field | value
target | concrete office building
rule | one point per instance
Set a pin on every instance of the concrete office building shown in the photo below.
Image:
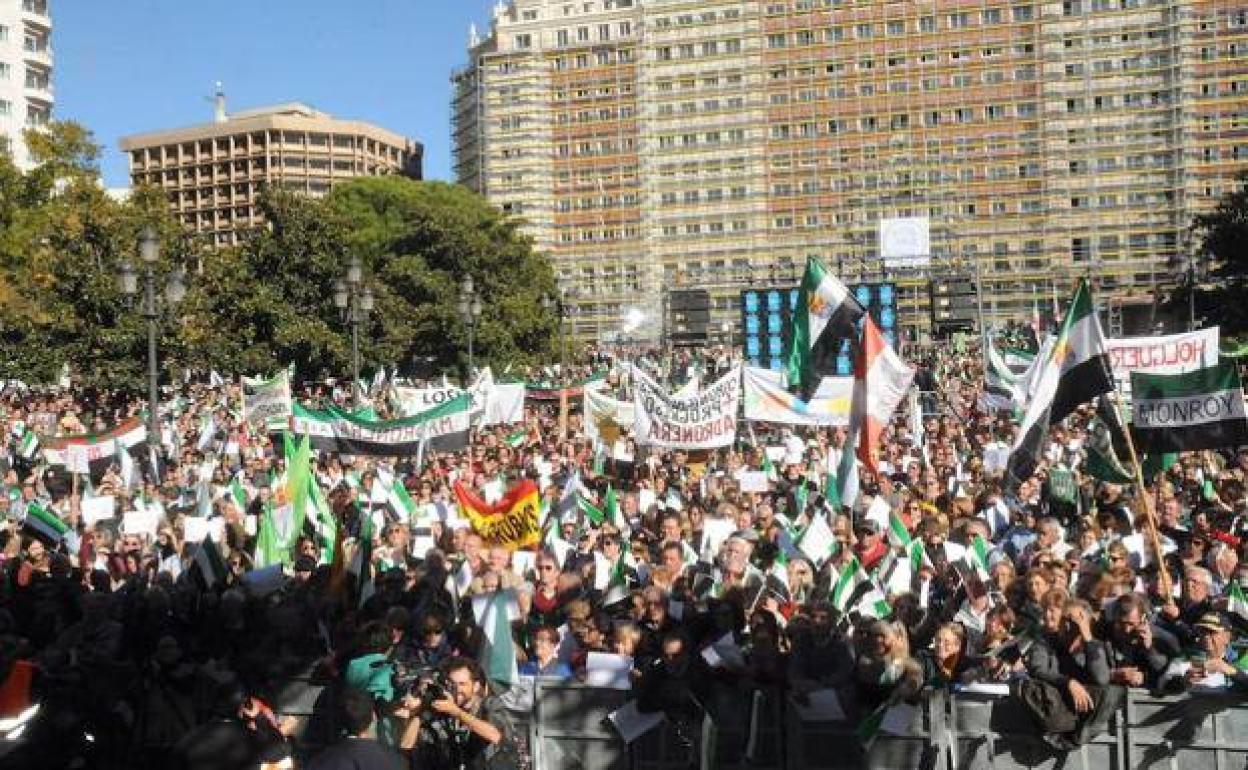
(658, 144)
(213, 173)
(25, 73)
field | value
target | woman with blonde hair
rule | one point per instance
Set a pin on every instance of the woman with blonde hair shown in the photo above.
(884, 671)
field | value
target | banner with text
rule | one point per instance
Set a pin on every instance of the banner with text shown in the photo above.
(704, 420)
(1171, 354)
(443, 428)
(767, 400)
(267, 402)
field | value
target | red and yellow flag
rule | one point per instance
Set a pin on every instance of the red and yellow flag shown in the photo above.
(513, 522)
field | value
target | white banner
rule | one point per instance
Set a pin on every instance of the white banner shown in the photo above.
(605, 413)
(504, 404)
(267, 402)
(414, 401)
(1172, 354)
(705, 420)
(766, 400)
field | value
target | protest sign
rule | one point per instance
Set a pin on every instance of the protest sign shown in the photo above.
(267, 402)
(705, 420)
(1170, 354)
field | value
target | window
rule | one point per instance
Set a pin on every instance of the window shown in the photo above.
(604, 31)
(6, 71)
(927, 24)
(896, 28)
(1023, 13)
(6, 108)
(561, 37)
(864, 31)
(991, 16)
(960, 20)
(524, 41)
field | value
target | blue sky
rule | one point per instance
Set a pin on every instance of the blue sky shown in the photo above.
(127, 66)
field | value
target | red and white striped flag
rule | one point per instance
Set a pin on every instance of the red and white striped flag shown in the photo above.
(882, 380)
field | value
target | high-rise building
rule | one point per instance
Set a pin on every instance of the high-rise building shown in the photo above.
(25, 73)
(213, 173)
(668, 144)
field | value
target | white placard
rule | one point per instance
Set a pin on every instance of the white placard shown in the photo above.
(76, 458)
(195, 529)
(98, 509)
(140, 522)
(754, 481)
(606, 670)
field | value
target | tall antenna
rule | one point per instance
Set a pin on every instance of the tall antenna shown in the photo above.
(218, 101)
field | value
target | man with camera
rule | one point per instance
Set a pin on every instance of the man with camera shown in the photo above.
(459, 726)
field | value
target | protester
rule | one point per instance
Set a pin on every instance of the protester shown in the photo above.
(220, 547)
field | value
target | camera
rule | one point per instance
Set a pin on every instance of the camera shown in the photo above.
(430, 690)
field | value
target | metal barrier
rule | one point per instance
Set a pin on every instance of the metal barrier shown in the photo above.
(567, 728)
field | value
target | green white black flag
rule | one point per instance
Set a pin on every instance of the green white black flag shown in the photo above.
(1075, 371)
(1203, 409)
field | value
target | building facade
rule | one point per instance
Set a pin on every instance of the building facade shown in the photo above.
(214, 173)
(25, 73)
(659, 144)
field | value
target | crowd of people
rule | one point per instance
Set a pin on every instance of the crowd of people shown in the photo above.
(142, 656)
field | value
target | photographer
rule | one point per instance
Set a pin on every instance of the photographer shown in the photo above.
(459, 726)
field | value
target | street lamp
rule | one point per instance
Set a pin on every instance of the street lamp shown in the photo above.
(175, 291)
(354, 300)
(470, 311)
(1195, 273)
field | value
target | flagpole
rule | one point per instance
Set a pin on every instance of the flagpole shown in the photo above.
(1149, 516)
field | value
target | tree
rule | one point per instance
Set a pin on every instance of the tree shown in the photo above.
(270, 301)
(1223, 253)
(61, 242)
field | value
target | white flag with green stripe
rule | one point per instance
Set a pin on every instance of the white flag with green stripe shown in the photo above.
(1199, 410)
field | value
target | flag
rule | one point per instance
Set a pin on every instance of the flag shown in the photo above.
(268, 545)
(127, 466)
(1203, 409)
(826, 314)
(207, 430)
(44, 524)
(324, 523)
(494, 613)
(874, 604)
(512, 522)
(362, 563)
(215, 380)
(569, 499)
(208, 565)
(1236, 601)
(883, 379)
(898, 535)
(1075, 371)
(238, 493)
(817, 541)
(848, 583)
(611, 507)
(592, 512)
(298, 487)
(28, 445)
(769, 468)
(517, 439)
(999, 380)
(401, 501)
(617, 585)
(1102, 460)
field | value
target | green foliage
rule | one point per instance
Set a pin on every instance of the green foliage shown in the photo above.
(61, 241)
(268, 302)
(1223, 238)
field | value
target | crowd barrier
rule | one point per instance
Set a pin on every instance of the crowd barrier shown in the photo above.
(567, 728)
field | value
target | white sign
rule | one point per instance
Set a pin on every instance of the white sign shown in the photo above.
(905, 242)
(267, 401)
(1172, 354)
(704, 420)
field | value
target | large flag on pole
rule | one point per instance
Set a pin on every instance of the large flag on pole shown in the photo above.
(1203, 409)
(826, 314)
(884, 379)
(1075, 371)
